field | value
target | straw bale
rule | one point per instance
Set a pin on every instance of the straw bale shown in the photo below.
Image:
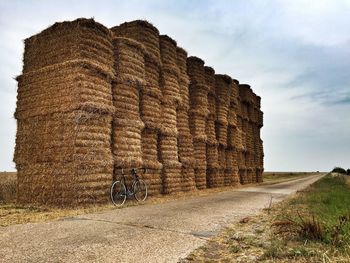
(232, 117)
(84, 86)
(64, 183)
(169, 123)
(201, 178)
(145, 33)
(129, 60)
(212, 156)
(211, 106)
(182, 60)
(152, 73)
(63, 137)
(231, 159)
(243, 176)
(261, 119)
(70, 40)
(153, 180)
(188, 182)
(168, 51)
(172, 178)
(126, 147)
(170, 88)
(150, 109)
(222, 88)
(167, 149)
(221, 133)
(234, 90)
(149, 139)
(185, 149)
(182, 122)
(231, 177)
(126, 101)
(210, 79)
(195, 70)
(214, 178)
(222, 157)
(200, 154)
(210, 132)
(197, 126)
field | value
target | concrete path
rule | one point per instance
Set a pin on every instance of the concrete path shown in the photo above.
(162, 232)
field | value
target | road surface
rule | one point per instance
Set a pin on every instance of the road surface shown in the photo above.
(163, 232)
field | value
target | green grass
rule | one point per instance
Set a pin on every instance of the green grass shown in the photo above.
(325, 208)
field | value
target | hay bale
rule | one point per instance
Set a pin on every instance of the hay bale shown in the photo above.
(195, 70)
(171, 177)
(197, 127)
(126, 100)
(182, 123)
(168, 150)
(150, 108)
(211, 107)
(129, 63)
(188, 182)
(80, 85)
(63, 137)
(185, 150)
(214, 177)
(212, 156)
(149, 140)
(199, 99)
(67, 41)
(210, 132)
(126, 146)
(169, 123)
(183, 79)
(143, 32)
(210, 80)
(64, 183)
(153, 181)
(168, 53)
(200, 152)
(222, 91)
(170, 87)
(243, 177)
(221, 133)
(201, 178)
(231, 177)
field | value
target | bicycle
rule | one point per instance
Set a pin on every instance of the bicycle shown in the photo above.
(119, 190)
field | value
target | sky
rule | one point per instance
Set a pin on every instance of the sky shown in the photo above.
(295, 54)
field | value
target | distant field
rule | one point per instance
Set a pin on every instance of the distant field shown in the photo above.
(270, 177)
(8, 186)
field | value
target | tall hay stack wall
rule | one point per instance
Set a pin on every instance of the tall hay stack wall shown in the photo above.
(150, 98)
(64, 115)
(93, 101)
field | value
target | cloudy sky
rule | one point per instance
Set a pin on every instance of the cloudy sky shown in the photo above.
(294, 53)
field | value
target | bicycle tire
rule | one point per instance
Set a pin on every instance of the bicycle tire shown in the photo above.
(118, 193)
(140, 190)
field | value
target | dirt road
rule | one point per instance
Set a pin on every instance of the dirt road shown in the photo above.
(162, 232)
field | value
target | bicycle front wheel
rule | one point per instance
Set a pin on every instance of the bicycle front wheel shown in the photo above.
(140, 190)
(118, 193)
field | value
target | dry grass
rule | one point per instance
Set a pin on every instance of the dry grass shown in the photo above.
(8, 186)
(256, 240)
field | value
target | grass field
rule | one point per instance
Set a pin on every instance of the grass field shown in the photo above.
(12, 213)
(313, 226)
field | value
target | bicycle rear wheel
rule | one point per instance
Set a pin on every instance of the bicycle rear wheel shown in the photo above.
(140, 190)
(118, 193)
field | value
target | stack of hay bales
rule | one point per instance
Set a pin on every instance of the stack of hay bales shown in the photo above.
(167, 146)
(213, 176)
(258, 143)
(64, 115)
(223, 98)
(185, 142)
(198, 114)
(246, 96)
(150, 97)
(127, 125)
(231, 171)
